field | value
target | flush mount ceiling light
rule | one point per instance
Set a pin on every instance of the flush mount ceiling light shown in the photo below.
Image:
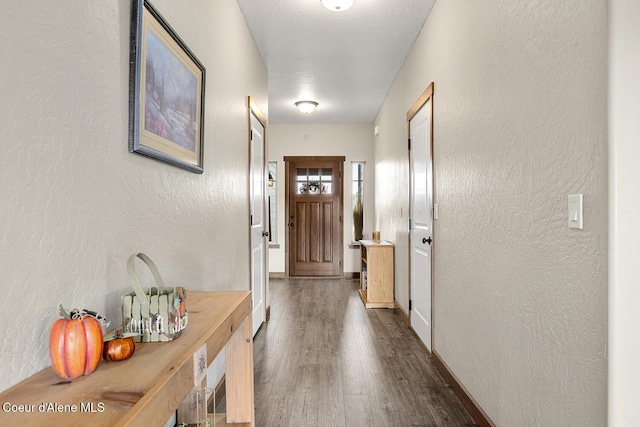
(337, 5)
(306, 106)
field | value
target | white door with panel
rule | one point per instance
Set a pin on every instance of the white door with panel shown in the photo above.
(420, 159)
(258, 226)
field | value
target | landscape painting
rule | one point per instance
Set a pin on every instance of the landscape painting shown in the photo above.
(167, 96)
(171, 96)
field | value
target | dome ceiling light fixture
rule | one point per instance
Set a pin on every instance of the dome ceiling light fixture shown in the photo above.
(306, 106)
(337, 5)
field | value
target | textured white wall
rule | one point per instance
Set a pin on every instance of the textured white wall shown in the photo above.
(75, 203)
(355, 142)
(392, 183)
(624, 221)
(519, 123)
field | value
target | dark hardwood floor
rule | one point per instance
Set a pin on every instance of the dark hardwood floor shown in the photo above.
(324, 360)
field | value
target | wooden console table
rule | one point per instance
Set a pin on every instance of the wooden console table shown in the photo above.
(148, 388)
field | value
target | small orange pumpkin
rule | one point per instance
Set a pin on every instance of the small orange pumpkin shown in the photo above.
(75, 346)
(119, 348)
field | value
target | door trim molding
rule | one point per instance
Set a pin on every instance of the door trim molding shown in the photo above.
(415, 107)
(253, 108)
(314, 158)
(422, 99)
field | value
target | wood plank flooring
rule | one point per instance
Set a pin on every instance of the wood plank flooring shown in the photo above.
(324, 360)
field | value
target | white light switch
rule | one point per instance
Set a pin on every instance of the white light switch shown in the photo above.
(435, 211)
(575, 211)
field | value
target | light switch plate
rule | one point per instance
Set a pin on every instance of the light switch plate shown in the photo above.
(575, 211)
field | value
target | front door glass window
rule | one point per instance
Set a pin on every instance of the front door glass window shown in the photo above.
(314, 181)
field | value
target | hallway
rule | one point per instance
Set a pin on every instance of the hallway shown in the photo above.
(323, 360)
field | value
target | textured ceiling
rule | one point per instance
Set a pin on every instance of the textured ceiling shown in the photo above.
(346, 61)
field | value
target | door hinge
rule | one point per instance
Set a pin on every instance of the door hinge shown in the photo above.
(250, 219)
(409, 224)
(251, 135)
(410, 305)
(409, 143)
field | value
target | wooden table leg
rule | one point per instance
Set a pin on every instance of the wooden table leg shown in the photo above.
(239, 375)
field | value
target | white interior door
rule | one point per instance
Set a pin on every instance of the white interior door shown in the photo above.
(258, 222)
(421, 221)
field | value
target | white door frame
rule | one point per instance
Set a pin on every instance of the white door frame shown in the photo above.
(258, 235)
(424, 100)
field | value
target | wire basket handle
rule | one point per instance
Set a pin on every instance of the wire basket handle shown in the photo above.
(135, 284)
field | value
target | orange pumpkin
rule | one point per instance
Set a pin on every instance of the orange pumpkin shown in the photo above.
(118, 349)
(75, 346)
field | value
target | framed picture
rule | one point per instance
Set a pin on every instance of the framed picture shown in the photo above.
(166, 93)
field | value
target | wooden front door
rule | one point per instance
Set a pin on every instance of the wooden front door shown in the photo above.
(314, 215)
